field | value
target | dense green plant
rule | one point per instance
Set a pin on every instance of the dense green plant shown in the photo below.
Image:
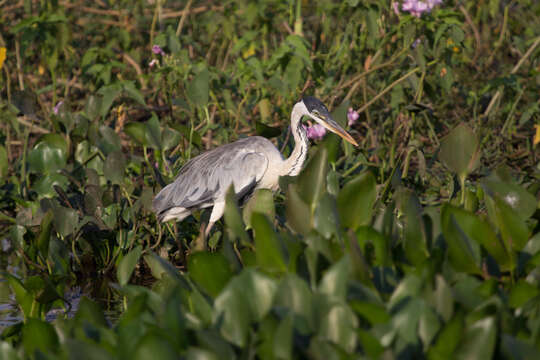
(422, 243)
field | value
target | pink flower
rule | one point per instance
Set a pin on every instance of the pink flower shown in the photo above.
(352, 116)
(316, 132)
(417, 7)
(57, 107)
(156, 49)
(395, 7)
(153, 63)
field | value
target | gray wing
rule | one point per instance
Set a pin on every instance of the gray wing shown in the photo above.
(206, 178)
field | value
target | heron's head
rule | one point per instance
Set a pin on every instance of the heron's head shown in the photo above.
(319, 112)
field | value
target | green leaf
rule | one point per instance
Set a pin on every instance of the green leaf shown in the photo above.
(448, 339)
(460, 150)
(48, 155)
(170, 138)
(39, 335)
(114, 167)
(153, 346)
(312, 181)
(109, 141)
(45, 234)
(294, 294)
(3, 163)
(325, 219)
(198, 88)
(108, 94)
(266, 131)
(133, 92)
(209, 270)
(515, 196)
(367, 235)
(137, 131)
(268, 248)
(512, 227)
(233, 219)
(283, 339)
(521, 293)
(414, 240)
(153, 132)
(127, 265)
(65, 220)
(159, 266)
(355, 201)
(261, 202)
(478, 340)
(338, 325)
(297, 211)
(334, 281)
(460, 233)
(22, 295)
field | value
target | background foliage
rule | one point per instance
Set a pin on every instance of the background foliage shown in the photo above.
(421, 243)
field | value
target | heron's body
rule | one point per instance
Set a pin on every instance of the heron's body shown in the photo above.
(247, 164)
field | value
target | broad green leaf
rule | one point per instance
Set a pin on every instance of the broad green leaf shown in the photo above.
(65, 220)
(169, 138)
(294, 294)
(512, 227)
(45, 234)
(48, 155)
(44, 186)
(297, 211)
(39, 335)
(137, 131)
(312, 181)
(521, 293)
(153, 132)
(7, 352)
(198, 88)
(153, 346)
(334, 280)
(283, 339)
(460, 234)
(414, 239)
(478, 340)
(22, 295)
(266, 131)
(114, 167)
(448, 339)
(338, 325)
(515, 196)
(90, 312)
(233, 219)
(410, 286)
(127, 265)
(109, 141)
(428, 326)
(108, 94)
(79, 349)
(518, 349)
(133, 92)
(355, 201)
(374, 313)
(194, 353)
(460, 151)
(159, 267)
(325, 219)
(210, 270)
(268, 248)
(261, 202)
(366, 236)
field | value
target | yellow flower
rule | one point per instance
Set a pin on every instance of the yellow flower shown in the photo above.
(536, 139)
(249, 52)
(2, 56)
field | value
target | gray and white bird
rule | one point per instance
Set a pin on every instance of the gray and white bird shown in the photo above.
(248, 164)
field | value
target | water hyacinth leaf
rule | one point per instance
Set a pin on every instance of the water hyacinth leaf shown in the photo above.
(460, 151)
(89, 311)
(7, 351)
(160, 267)
(283, 339)
(266, 131)
(443, 298)
(261, 202)
(478, 340)
(44, 186)
(410, 286)
(194, 353)
(448, 339)
(154, 346)
(325, 219)
(137, 131)
(414, 240)
(515, 348)
(294, 294)
(40, 336)
(233, 218)
(127, 265)
(170, 138)
(355, 201)
(22, 295)
(198, 88)
(3, 162)
(133, 92)
(114, 167)
(334, 280)
(153, 132)
(268, 248)
(45, 234)
(372, 312)
(428, 326)
(210, 271)
(65, 220)
(312, 180)
(463, 250)
(48, 155)
(515, 196)
(512, 227)
(521, 293)
(297, 211)
(108, 94)
(109, 141)
(367, 235)
(338, 325)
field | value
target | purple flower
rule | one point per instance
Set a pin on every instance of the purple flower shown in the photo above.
(156, 49)
(316, 132)
(352, 116)
(395, 7)
(415, 43)
(57, 107)
(417, 8)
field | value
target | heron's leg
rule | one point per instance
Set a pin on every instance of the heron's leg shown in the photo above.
(217, 213)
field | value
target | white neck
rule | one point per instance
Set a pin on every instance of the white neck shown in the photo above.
(293, 165)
